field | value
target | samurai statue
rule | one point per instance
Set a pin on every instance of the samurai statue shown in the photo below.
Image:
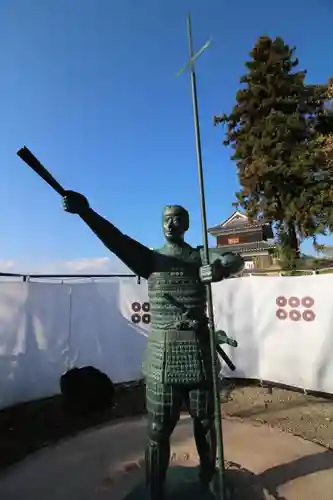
(177, 365)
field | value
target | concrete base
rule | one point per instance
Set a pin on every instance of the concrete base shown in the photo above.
(107, 463)
(182, 483)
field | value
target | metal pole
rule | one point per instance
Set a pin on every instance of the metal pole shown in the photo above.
(218, 420)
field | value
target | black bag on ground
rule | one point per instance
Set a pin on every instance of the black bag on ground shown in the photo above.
(86, 390)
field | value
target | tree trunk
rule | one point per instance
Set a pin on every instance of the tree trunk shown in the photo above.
(293, 240)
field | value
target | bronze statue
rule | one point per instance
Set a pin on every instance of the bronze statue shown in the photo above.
(177, 365)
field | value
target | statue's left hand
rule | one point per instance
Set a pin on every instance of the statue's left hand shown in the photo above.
(212, 273)
(75, 203)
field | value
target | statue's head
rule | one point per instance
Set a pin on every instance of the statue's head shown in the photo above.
(176, 221)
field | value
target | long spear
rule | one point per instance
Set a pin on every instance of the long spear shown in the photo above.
(218, 422)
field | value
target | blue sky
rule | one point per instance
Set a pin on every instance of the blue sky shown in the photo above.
(89, 86)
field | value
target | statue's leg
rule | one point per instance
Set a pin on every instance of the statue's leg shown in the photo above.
(201, 408)
(163, 406)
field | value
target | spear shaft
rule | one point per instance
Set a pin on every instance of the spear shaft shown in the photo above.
(210, 311)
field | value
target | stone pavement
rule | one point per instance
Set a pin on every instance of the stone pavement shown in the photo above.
(105, 463)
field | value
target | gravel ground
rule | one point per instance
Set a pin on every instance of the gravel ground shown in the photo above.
(302, 415)
(28, 427)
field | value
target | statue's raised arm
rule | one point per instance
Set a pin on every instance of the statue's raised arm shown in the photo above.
(133, 254)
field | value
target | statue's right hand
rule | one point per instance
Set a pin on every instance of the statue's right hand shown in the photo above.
(75, 203)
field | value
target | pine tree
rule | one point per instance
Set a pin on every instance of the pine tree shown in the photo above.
(324, 129)
(273, 130)
(325, 125)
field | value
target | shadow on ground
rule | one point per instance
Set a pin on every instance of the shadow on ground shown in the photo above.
(27, 427)
(244, 483)
(281, 474)
(182, 484)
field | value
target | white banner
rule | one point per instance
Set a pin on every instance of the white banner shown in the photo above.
(233, 312)
(103, 336)
(282, 325)
(34, 321)
(293, 324)
(47, 328)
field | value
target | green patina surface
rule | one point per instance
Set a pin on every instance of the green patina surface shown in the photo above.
(177, 352)
(178, 362)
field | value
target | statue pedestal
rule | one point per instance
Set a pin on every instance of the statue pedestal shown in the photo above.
(182, 484)
(128, 481)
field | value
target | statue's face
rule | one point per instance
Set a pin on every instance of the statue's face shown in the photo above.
(175, 224)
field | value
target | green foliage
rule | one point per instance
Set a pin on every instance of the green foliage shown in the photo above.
(274, 131)
(325, 250)
(287, 256)
(288, 245)
(326, 271)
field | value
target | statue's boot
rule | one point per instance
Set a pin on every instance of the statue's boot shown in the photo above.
(211, 491)
(206, 492)
(157, 460)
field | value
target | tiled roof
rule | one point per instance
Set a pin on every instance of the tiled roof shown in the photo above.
(238, 221)
(258, 246)
(237, 225)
